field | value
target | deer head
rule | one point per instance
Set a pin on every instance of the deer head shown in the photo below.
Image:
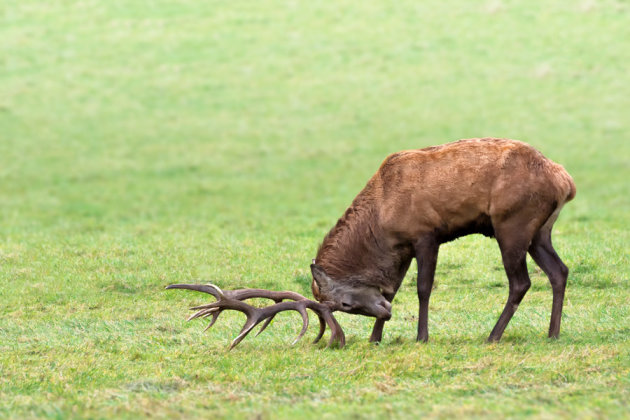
(351, 297)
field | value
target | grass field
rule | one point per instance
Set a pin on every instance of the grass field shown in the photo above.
(144, 143)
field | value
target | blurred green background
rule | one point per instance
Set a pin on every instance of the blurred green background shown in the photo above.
(144, 143)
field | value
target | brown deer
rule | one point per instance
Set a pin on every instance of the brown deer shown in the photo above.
(416, 201)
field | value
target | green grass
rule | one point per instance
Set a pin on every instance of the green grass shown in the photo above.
(147, 143)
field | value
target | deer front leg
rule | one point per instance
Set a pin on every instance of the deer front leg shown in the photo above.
(426, 256)
(377, 331)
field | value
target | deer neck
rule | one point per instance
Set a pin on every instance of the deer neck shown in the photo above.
(356, 251)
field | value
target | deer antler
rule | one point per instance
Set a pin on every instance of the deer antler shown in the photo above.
(233, 299)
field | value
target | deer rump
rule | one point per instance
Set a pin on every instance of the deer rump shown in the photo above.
(417, 200)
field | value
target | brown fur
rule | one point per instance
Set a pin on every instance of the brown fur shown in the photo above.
(496, 187)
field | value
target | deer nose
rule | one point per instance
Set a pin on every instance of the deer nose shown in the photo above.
(385, 304)
(387, 313)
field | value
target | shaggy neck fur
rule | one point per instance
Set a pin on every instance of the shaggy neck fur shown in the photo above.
(354, 251)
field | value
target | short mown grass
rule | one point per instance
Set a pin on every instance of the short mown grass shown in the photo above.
(148, 143)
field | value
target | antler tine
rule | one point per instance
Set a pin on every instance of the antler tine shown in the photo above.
(265, 325)
(304, 325)
(267, 322)
(215, 315)
(325, 314)
(201, 313)
(336, 333)
(322, 329)
(205, 288)
(232, 299)
(249, 324)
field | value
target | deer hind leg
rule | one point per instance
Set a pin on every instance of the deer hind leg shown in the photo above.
(548, 260)
(514, 240)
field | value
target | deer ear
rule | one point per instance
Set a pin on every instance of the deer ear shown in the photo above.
(321, 278)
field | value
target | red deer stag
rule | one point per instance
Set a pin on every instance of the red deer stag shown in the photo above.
(416, 201)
